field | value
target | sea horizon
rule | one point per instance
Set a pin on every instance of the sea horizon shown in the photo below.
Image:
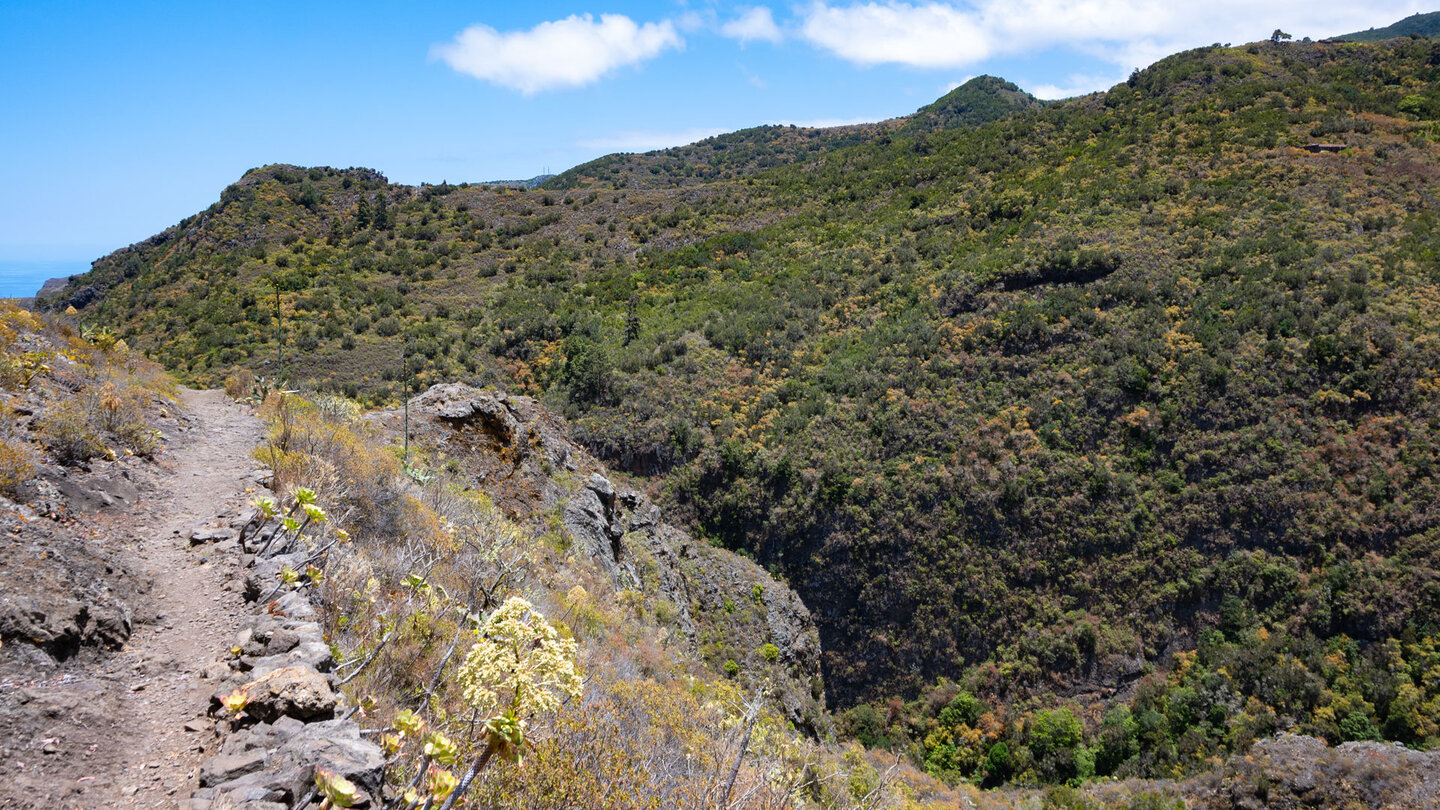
(23, 278)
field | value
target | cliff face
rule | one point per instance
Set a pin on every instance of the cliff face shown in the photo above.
(725, 606)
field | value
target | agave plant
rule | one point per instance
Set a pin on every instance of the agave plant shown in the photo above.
(336, 790)
(409, 723)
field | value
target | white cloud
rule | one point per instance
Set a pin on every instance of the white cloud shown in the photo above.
(753, 78)
(1125, 33)
(692, 21)
(931, 36)
(571, 52)
(755, 24)
(646, 141)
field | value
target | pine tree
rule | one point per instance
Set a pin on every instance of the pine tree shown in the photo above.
(383, 219)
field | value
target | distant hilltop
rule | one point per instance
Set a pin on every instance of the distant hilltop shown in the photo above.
(52, 286)
(534, 182)
(1424, 25)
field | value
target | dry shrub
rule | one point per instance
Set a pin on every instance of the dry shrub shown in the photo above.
(112, 406)
(15, 467)
(239, 384)
(142, 440)
(66, 432)
(20, 370)
(328, 448)
(637, 742)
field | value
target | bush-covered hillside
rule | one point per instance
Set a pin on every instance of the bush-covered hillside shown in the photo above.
(979, 101)
(750, 151)
(1120, 413)
(1417, 25)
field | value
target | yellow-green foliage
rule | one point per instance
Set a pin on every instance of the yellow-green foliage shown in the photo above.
(98, 396)
(239, 384)
(518, 664)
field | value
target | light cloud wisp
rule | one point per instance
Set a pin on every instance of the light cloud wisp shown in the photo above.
(571, 52)
(753, 25)
(954, 34)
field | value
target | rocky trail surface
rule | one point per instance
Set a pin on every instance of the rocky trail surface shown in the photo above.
(128, 727)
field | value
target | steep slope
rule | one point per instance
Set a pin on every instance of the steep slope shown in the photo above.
(1124, 384)
(525, 461)
(107, 617)
(720, 157)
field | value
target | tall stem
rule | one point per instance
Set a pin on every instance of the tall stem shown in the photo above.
(754, 714)
(464, 785)
(405, 394)
(279, 339)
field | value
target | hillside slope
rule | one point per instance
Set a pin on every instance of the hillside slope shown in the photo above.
(1420, 25)
(1122, 403)
(978, 101)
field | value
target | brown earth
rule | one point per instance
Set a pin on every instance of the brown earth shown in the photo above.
(86, 726)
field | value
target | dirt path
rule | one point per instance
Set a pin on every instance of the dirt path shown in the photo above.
(117, 733)
(197, 616)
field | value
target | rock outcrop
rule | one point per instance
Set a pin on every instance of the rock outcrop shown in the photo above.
(524, 457)
(66, 590)
(1295, 771)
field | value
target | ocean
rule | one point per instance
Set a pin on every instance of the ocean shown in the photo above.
(21, 279)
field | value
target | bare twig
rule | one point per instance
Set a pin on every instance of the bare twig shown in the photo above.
(752, 714)
(464, 786)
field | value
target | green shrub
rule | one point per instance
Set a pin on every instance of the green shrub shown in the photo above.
(140, 438)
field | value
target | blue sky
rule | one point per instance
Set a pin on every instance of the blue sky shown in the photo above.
(122, 118)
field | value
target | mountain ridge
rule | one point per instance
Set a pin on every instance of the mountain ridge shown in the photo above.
(1420, 24)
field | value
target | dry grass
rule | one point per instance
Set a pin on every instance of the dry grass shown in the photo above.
(91, 396)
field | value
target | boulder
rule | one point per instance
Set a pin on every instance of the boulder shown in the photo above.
(310, 654)
(226, 767)
(289, 770)
(295, 691)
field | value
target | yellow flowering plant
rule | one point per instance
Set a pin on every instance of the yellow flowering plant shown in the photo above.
(518, 667)
(235, 702)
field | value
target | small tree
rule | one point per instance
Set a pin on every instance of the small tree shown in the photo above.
(363, 212)
(1280, 36)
